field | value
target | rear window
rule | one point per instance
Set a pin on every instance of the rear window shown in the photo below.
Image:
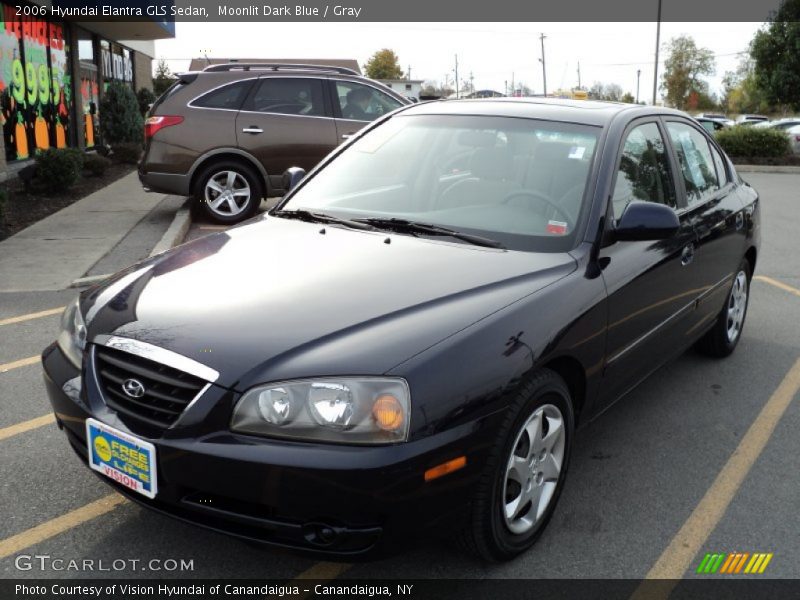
(227, 97)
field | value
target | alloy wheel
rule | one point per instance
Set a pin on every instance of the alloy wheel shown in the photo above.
(533, 469)
(227, 193)
(737, 304)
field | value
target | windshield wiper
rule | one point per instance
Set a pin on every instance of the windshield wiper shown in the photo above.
(415, 227)
(317, 217)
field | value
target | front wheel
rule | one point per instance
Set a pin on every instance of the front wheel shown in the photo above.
(227, 193)
(525, 472)
(722, 338)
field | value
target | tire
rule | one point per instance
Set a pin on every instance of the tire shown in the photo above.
(721, 340)
(241, 187)
(491, 534)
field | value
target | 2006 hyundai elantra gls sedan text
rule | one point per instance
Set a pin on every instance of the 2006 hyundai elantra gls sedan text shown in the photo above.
(410, 338)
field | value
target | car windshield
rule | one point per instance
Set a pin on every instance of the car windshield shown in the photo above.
(519, 182)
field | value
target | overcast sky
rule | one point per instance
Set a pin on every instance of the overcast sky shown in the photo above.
(492, 52)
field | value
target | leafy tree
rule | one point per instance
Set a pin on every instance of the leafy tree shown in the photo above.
(606, 91)
(684, 66)
(384, 64)
(163, 78)
(122, 122)
(776, 52)
(741, 92)
(628, 98)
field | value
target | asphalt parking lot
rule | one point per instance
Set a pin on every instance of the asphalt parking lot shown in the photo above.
(688, 463)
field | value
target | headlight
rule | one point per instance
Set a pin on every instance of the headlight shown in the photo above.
(72, 339)
(368, 410)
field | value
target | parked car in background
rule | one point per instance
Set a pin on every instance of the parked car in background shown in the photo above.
(780, 124)
(225, 135)
(443, 302)
(711, 125)
(794, 138)
(750, 119)
(716, 117)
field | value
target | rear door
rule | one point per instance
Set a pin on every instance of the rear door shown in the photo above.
(286, 122)
(715, 212)
(649, 283)
(356, 104)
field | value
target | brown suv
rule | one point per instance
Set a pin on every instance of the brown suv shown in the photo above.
(226, 135)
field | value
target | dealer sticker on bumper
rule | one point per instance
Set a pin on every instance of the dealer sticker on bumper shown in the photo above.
(122, 457)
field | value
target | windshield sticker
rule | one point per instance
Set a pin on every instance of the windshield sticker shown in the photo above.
(577, 152)
(557, 227)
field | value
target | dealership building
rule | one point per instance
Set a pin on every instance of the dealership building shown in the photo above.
(53, 74)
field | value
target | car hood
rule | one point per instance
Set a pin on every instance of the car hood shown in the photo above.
(278, 299)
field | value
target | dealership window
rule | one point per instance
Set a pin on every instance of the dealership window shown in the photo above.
(89, 89)
(35, 85)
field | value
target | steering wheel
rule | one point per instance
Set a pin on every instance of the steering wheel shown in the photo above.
(290, 108)
(537, 196)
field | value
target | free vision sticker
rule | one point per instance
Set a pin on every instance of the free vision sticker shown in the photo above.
(557, 227)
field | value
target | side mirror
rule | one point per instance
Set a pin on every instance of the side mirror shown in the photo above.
(292, 177)
(643, 221)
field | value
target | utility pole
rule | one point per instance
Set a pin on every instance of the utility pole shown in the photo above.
(638, 74)
(457, 94)
(513, 89)
(409, 73)
(541, 60)
(579, 74)
(506, 82)
(471, 83)
(658, 42)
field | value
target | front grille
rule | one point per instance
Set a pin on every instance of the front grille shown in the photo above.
(167, 391)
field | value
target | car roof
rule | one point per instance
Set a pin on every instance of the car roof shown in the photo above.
(589, 112)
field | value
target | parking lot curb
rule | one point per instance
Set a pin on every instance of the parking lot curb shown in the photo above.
(174, 235)
(768, 169)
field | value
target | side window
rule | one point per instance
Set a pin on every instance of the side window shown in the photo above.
(289, 96)
(709, 126)
(644, 171)
(697, 165)
(719, 163)
(363, 102)
(229, 96)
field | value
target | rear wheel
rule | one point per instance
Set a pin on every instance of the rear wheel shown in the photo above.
(227, 192)
(525, 472)
(722, 338)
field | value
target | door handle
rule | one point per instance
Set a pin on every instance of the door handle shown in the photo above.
(252, 129)
(687, 255)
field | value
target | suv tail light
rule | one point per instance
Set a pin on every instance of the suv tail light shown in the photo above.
(154, 124)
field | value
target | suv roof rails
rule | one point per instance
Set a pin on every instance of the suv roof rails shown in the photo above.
(232, 66)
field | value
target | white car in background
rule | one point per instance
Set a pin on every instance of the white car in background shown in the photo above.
(794, 138)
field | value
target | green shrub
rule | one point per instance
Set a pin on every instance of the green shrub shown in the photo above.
(748, 140)
(59, 168)
(96, 164)
(120, 119)
(127, 153)
(145, 98)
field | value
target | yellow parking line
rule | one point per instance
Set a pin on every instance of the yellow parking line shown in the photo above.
(778, 284)
(29, 316)
(13, 430)
(23, 362)
(678, 556)
(53, 527)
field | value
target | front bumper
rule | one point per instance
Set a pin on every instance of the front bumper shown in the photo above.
(322, 498)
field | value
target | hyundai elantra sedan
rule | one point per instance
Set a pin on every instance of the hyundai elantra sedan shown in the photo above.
(409, 340)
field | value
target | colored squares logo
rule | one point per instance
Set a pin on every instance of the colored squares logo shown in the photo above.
(734, 563)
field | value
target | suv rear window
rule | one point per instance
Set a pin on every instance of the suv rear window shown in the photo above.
(229, 97)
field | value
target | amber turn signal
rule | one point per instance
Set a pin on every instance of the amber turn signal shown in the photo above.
(445, 468)
(388, 413)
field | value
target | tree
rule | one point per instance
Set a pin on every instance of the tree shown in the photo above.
(628, 98)
(776, 52)
(384, 64)
(606, 91)
(145, 98)
(741, 92)
(684, 66)
(122, 122)
(163, 78)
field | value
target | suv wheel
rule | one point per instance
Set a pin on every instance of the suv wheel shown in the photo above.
(228, 193)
